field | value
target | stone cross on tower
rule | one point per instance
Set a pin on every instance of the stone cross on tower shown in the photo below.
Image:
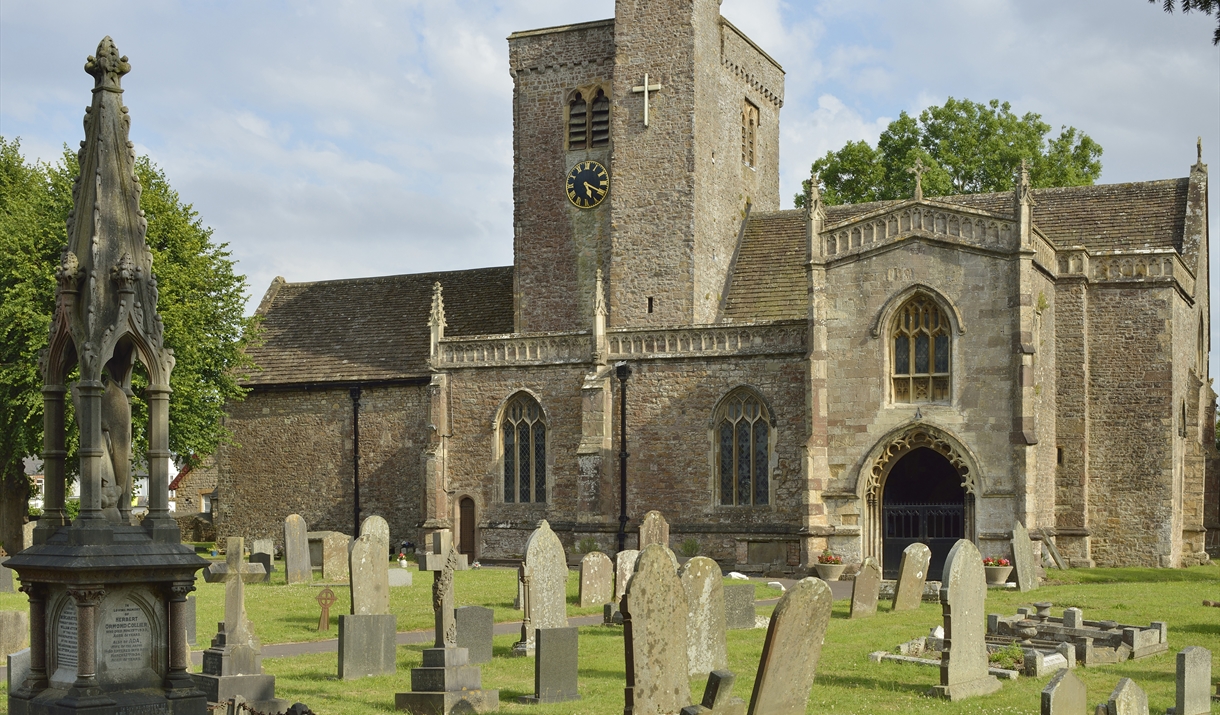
(918, 170)
(645, 88)
(236, 639)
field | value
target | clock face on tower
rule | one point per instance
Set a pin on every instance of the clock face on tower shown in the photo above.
(588, 183)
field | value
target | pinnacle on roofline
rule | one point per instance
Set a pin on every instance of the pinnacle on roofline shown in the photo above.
(107, 66)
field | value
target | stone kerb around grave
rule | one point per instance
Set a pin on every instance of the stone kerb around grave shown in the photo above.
(792, 649)
(655, 636)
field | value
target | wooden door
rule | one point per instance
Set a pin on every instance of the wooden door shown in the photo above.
(466, 527)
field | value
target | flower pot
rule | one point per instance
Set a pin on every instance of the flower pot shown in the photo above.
(830, 572)
(997, 575)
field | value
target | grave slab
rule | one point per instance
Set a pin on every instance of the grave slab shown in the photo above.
(556, 657)
(475, 626)
(739, 611)
(367, 645)
(1193, 683)
(296, 550)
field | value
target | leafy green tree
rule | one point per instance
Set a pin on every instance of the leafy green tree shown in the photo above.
(1206, 7)
(966, 148)
(201, 299)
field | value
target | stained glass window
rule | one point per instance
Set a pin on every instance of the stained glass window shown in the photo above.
(743, 450)
(524, 435)
(921, 360)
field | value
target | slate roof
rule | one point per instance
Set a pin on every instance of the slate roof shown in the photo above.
(368, 329)
(768, 281)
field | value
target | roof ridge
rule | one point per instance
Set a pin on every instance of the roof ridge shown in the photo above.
(363, 279)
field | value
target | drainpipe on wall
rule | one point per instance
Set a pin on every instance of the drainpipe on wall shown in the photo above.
(355, 393)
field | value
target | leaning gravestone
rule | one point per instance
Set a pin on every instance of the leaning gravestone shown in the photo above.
(1065, 695)
(865, 589)
(739, 612)
(718, 696)
(555, 666)
(6, 577)
(963, 668)
(792, 649)
(296, 551)
(367, 637)
(544, 574)
(912, 574)
(655, 636)
(475, 627)
(705, 643)
(1127, 699)
(1194, 678)
(1023, 562)
(596, 579)
(654, 530)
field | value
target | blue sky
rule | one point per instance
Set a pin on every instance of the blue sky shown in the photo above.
(340, 139)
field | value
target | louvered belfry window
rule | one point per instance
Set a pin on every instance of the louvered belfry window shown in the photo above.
(743, 450)
(921, 363)
(578, 122)
(523, 430)
(599, 120)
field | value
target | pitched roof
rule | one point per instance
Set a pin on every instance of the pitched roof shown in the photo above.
(367, 329)
(768, 281)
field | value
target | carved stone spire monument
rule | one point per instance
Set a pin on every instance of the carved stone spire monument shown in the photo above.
(107, 597)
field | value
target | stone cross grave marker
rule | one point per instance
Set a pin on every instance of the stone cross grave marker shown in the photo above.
(1193, 683)
(912, 574)
(369, 568)
(1065, 695)
(544, 573)
(1127, 699)
(596, 579)
(705, 625)
(655, 636)
(654, 530)
(718, 696)
(296, 551)
(963, 667)
(244, 651)
(326, 598)
(1023, 562)
(792, 649)
(865, 589)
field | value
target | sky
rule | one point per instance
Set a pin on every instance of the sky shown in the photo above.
(342, 138)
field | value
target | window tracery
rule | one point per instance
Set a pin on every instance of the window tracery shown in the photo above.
(921, 351)
(743, 450)
(523, 435)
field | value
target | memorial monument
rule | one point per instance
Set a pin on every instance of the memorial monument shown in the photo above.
(107, 597)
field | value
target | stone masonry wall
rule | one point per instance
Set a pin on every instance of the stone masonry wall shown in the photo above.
(1072, 406)
(292, 453)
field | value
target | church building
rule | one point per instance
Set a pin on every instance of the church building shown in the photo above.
(852, 378)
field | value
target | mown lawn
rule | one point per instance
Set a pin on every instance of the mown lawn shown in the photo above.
(846, 682)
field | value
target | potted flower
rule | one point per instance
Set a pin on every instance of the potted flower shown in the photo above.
(997, 569)
(830, 566)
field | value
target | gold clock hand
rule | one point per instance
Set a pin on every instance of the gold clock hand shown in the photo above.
(591, 188)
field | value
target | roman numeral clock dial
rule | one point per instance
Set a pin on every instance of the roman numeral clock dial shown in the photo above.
(587, 185)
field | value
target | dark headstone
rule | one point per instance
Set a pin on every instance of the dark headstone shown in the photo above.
(555, 666)
(265, 560)
(474, 631)
(366, 645)
(739, 606)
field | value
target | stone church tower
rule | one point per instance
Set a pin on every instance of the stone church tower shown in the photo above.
(847, 377)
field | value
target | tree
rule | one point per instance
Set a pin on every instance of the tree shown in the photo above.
(1206, 7)
(967, 148)
(201, 301)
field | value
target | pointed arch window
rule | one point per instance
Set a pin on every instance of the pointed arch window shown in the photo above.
(588, 120)
(743, 450)
(921, 345)
(523, 435)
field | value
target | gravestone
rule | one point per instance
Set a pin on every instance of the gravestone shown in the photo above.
(262, 546)
(596, 579)
(963, 667)
(655, 636)
(367, 637)
(912, 574)
(739, 612)
(1127, 699)
(718, 696)
(624, 567)
(1193, 683)
(556, 655)
(654, 530)
(792, 649)
(475, 628)
(1023, 564)
(328, 551)
(192, 627)
(378, 528)
(6, 577)
(17, 668)
(544, 574)
(27, 534)
(705, 642)
(1065, 695)
(263, 552)
(865, 590)
(233, 665)
(296, 551)
(446, 682)
(14, 631)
